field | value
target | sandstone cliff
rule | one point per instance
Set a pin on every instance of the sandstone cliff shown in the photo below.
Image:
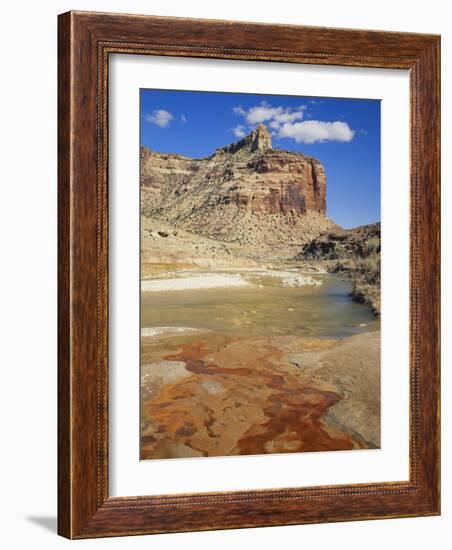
(245, 193)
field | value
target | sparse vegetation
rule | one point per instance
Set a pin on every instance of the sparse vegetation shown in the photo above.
(354, 253)
(366, 279)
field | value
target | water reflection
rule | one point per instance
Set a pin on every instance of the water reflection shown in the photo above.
(266, 308)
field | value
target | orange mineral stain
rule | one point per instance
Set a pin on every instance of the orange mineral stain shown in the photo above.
(238, 400)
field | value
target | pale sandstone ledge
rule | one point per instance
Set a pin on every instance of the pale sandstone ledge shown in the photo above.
(149, 332)
(352, 369)
(194, 282)
(205, 281)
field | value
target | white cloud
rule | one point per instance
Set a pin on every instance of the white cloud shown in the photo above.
(287, 116)
(183, 118)
(312, 131)
(160, 117)
(273, 116)
(262, 113)
(288, 122)
(239, 110)
(239, 131)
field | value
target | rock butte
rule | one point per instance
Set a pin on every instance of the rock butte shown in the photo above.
(246, 193)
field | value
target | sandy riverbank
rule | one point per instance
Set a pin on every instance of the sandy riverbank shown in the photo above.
(196, 280)
(193, 282)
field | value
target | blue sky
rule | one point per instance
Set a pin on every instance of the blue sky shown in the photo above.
(344, 134)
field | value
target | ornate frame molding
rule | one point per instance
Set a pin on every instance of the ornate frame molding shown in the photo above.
(85, 42)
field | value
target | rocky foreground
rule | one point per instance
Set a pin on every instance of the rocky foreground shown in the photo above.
(211, 395)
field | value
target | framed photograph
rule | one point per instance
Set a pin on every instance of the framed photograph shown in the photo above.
(248, 275)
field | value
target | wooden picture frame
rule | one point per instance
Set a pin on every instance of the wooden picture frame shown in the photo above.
(86, 40)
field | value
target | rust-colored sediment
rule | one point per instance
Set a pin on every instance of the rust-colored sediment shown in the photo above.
(236, 398)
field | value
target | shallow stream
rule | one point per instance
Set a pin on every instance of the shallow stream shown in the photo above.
(263, 308)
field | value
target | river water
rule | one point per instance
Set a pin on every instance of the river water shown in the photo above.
(265, 307)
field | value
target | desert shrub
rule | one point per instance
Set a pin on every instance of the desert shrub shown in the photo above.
(373, 245)
(339, 250)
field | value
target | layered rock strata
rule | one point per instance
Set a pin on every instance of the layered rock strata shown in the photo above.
(246, 193)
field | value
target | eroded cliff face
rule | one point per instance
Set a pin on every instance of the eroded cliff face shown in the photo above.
(246, 192)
